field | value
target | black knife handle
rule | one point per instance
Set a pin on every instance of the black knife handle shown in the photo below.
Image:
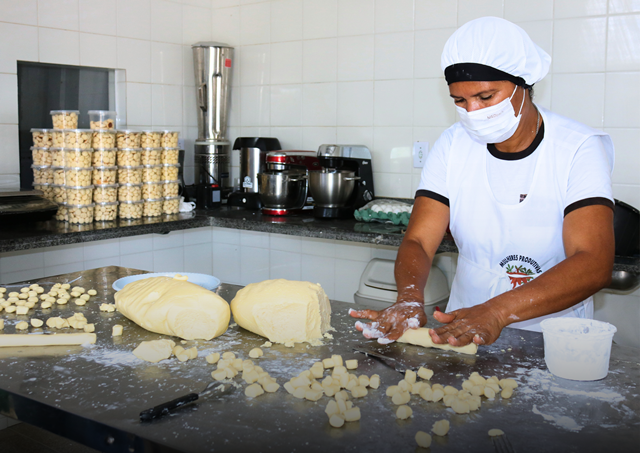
(164, 409)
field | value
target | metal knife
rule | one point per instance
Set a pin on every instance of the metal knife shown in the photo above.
(165, 408)
(401, 366)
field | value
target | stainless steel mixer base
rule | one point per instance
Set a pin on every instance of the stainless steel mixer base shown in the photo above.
(212, 163)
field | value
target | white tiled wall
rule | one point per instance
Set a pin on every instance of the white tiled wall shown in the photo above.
(368, 71)
(150, 39)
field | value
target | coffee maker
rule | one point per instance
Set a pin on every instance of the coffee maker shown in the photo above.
(212, 65)
(253, 152)
(283, 186)
(345, 182)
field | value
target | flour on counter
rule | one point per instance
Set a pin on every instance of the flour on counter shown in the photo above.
(539, 380)
(560, 420)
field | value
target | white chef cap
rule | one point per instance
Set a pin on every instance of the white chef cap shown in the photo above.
(490, 48)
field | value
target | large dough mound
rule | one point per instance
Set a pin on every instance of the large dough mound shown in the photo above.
(174, 307)
(284, 311)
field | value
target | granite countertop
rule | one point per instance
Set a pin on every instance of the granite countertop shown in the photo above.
(52, 233)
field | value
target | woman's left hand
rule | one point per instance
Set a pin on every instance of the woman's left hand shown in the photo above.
(478, 324)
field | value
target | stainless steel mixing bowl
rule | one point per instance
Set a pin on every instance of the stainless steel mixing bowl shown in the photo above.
(332, 189)
(282, 189)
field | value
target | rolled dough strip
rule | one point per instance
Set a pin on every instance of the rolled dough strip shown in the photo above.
(59, 339)
(421, 337)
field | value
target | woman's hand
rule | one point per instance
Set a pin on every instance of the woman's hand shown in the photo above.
(479, 324)
(389, 324)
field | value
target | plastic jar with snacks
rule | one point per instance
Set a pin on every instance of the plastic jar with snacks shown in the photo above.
(78, 157)
(59, 193)
(41, 156)
(79, 195)
(129, 156)
(153, 207)
(151, 173)
(152, 190)
(171, 205)
(106, 211)
(64, 119)
(58, 175)
(57, 157)
(41, 138)
(62, 214)
(105, 175)
(103, 139)
(170, 188)
(151, 139)
(130, 174)
(102, 119)
(130, 192)
(170, 155)
(78, 176)
(130, 209)
(170, 139)
(105, 193)
(42, 174)
(72, 138)
(151, 156)
(170, 171)
(80, 213)
(46, 189)
(127, 138)
(104, 157)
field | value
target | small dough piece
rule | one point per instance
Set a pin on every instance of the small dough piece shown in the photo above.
(11, 309)
(22, 310)
(425, 374)
(450, 390)
(400, 398)
(80, 302)
(253, 390)
(423, 439)
(506, 393)
(460, 406)
(337, 360)
(213, 358)
(192, 352)
(90, 328)
(154, 351)
(332, 408)
(256, 353)
(495, 432)
(440, 428)
(35, 322)
(228, 355)
(85, 297)
(508, 383)
(336, 421)
(92, 292)
(410, 376)
(489, 392)
(392, 390)
(22, 325)
(284, 311)
(328, 363)
(351, 364)
(359, 391)
(374, 381)
(271, 387)
(404, 412)
(116, 331)
(352, 415)
(421, 337)
(172, 307)
(437, 395)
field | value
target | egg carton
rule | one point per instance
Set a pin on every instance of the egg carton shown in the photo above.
(385, 211)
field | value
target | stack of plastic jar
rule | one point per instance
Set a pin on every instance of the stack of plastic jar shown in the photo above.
(105, 171)
(42, 161)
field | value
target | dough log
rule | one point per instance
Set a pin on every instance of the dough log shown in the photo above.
(421, 337)
(174, 307)
(284, 311)
(59, 339)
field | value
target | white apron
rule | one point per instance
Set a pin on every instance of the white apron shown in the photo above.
(504, 246)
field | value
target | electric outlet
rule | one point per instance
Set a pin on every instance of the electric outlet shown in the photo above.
(420, 153)
(181, 143)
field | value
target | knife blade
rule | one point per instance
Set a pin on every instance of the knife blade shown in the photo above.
(165, 408)
(401, 366)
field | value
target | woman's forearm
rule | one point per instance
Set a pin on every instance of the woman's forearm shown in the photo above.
(411, 271)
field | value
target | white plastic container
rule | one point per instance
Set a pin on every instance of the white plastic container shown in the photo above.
(577, 349)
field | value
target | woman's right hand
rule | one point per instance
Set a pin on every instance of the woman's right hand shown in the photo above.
(389, 324)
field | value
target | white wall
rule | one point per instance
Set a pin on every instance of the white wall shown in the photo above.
(368, 71)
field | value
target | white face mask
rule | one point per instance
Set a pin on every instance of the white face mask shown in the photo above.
(493, 124)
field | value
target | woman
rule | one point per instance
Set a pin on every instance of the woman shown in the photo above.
(527, 194)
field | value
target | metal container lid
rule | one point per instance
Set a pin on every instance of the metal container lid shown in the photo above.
(211, 44)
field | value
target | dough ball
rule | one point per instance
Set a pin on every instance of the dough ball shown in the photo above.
(495, 432)
(425, 374)
(404, 412)
(154, 351)
(253, 390)
(255, 353)
(284, 311)
(423, 439)
(336, 421)
(506, 393)
(352, 415)
(213, 358)
(440, 428)
(174, 307)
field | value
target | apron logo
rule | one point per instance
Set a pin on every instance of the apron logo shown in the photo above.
(519, 274)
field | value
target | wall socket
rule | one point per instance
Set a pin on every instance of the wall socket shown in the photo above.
(420, 153)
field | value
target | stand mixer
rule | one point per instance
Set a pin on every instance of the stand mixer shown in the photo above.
(344, 183)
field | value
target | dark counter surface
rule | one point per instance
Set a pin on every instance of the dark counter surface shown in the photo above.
(94, 394)
(51, 233)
